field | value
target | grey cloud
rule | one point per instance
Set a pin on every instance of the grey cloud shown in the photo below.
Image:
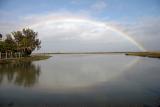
(147, 32)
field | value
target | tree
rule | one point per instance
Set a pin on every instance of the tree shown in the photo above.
(10, 43)
(27, 41)
(0, 37)
(2, 46)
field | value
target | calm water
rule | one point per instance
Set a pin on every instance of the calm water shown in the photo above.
(82, 81)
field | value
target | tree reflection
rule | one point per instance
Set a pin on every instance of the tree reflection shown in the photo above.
(23, 74)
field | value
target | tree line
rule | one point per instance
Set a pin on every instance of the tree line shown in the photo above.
(25, 42)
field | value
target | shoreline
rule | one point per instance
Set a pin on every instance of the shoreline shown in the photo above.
(43, 56)
(25, 59)
(149, 54)
(144, 54)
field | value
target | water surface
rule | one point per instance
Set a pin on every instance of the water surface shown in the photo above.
(82, 80)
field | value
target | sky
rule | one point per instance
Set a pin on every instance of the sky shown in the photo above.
(86, 25)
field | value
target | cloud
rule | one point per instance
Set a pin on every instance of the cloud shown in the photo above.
(146, 30)
(98, 6)
(65, 31)
(75, 1)
(73, 33)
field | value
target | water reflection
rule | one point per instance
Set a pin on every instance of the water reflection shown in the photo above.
(74, 72)
(23, 74)
(82, 80)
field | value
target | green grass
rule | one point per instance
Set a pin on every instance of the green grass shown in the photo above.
(145, 54)
(25, 59)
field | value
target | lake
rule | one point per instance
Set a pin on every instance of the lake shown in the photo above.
(82, 80)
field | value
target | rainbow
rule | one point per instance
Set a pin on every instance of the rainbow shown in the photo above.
(126, 36)
(96, 23)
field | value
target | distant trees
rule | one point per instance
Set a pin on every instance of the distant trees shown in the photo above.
(25, 41)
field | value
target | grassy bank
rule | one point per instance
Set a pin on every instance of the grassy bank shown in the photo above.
(25, 59)
(145, 54)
